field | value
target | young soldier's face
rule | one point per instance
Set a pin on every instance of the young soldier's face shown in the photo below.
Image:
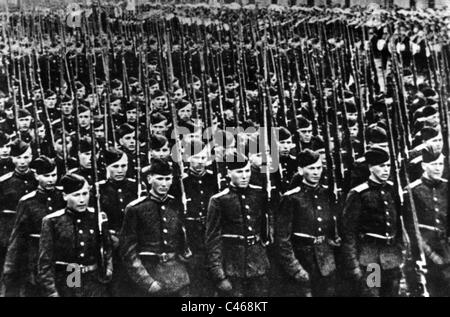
(99, 132)
(81, 92)
(381, 172)
(115, 107)
(128, 141)
(434, 170)
(41, 132)
(47, 181)
(85, 159)
(159, 102)
(436, 142)
(9, 113)
(84, 119)
(161, 153)
(78, 201)
(285, 146)
(198, 162)
(118, 170)
(117, 92)
(159, 128)
(352, 115)
(67, 108)
(305, 134)
(160, 184)
(353, 131)
(153, 88)
(24, 123)
(178, 95)
(131, 115)
(4, 151)
(50, 102)
(22, 162)
(240, 177)
(312, 173)
(59, 145)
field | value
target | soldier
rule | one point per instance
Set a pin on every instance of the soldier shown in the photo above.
(152, 241)
(63, 165)
(371, 229)
(84, 120)
(13, 186)
(115, 194)
(307, 139)
(236, 221)
(126, 137)
(20, 269)
(6, 164)
(430, 199)
(288, 162)
(70, 244)
(304, 232)
(199, 184)
(85, 160)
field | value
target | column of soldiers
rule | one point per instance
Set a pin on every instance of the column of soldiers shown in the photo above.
(232, 151)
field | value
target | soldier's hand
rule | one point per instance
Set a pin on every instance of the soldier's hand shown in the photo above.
(357, 274)
(114, 240)
(302, 276)
(225, 286)
(437, 259)
(155, 287)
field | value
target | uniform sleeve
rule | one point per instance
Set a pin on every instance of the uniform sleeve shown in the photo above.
(350, 220)
(213, 241)
(409, 226)
(16, 261)
(128, 243)
(283, 232)
(46, 267)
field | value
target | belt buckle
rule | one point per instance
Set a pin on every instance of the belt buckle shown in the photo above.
(319, 239)
(164, 257)
(83, 269)
(251, 240)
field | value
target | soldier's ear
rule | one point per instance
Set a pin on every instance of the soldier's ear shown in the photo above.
(65, 197)
(149, 178)
(300, 170)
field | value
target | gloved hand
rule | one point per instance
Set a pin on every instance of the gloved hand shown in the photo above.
(302, 276)
(225, 286)
(155, 287)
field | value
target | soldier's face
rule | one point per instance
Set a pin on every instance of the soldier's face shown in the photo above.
(117, 92)
(59, 145)
(24, 123)
(192, 136)
(128, 141)
(197, 85)
(161, 153)
(159, 102)
(131, 115)
(9, 113)
(78, 201)
(353, 131)
(67, 108)
(198, 162)
(352, 115)
(100, 89)
(381, 172)
(436, 142)
(81, 92)
(159, 128)
(118, 170)
(22, 162)
(85, 159)
(285, 146)
(84, 119)
(160, 184)
(47, 181)
(312, 173)
(99, 132)
(305, 134)
(115, 107)
(4, 151)
(41, 132)
(50, 102)
(178, 95)
(240, 177)
(153, 88)
(434, 170)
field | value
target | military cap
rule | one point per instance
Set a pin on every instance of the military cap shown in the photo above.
(59, 134)
(117, 99)
(116, 84)
(352, 123)
(428, 133)
(235, 160)
(18, 147)
(307, 157)
(83, 108)
(430, 153)
(85, 145)
(49, 93)
(157, 117)
(4, 139)
(72, 183)
(418, 103)
(43, 165)
(66, 99)
(133, 80)
(429, 92)
(157, 141)
(22, 113)
(249, 123)
(98, 122)
(124, 129)
(223, 138)
(112, 155)
(160, 167)
(229, 80)
(428, 111)
(348, 94)
(189, 126)
(350, 107)
(152, 82)
(131, 105)
(196, 79)
(78, 85)
(9, 103)
(303, 123)
(157, 93)
(182, 104)
(407, 72)
(377, 134)
(376, 156)
(379, 106)
(283, 134)
(192, 147)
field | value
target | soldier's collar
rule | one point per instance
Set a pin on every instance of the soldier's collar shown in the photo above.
(375, 184)
(238, 189)
(156, 198)
(308, 186)
(431, 182)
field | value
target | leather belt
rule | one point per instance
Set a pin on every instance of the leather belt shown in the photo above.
(249, 240)
(35, 235)
(83, 268)
(388, 239)
(199, 219)
(162, 257)
(8, 211)
(431, 228)
(313, 239)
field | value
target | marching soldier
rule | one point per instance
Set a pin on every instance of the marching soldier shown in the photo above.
(13, 186)
(85, 160)
(6, 164)
(70, 245)
(304, 232)
(429, 195)
(371, 229)
(20, 269)
(152, 241)
(199, 184)
(235, 224)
